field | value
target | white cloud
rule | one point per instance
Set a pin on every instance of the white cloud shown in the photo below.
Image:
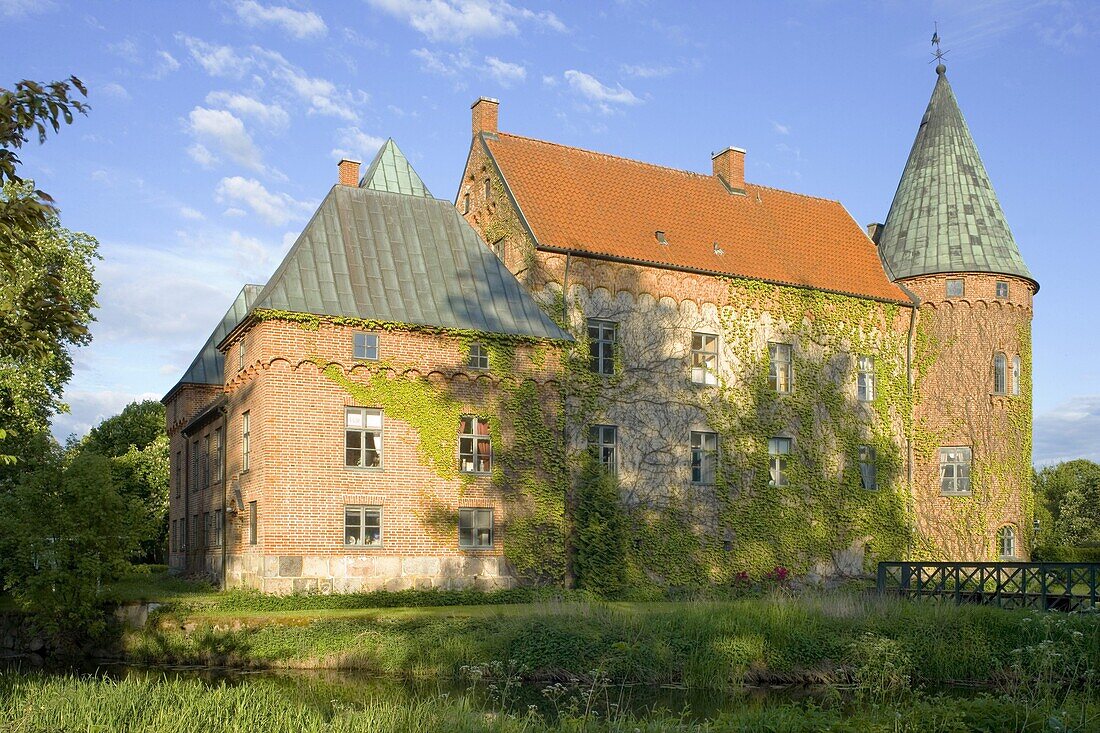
(781, 128)
(459, 20)
(115, 90)
(505, 73)
(1069, 431)
(189, 213)
(550, 81)
(269, 115)
(226, 132)
(126, 49)
(24, 8)
(202, 155)
(216, 60)
(89, 408)
(300, 24)
(442, 64)
(355, 144)
(647, 72)
(602, 95)
(277, 209)
(166, 64)
(323, 97)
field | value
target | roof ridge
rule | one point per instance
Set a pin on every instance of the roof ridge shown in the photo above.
(795, 193)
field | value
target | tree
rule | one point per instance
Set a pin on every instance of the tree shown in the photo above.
(600, 530)
(1070, 492)
(66, 533)
(39, 313)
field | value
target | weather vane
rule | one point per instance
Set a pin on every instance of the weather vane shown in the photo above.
(938, 53)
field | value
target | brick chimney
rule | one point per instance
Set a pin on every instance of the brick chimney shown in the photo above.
(485, 114)
(729, 166)
(349, 172)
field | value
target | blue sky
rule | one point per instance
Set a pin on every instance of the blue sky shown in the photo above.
(216, 126)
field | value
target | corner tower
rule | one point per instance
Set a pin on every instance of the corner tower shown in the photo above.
(946, 240)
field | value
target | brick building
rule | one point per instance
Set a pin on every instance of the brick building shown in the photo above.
(769, 383)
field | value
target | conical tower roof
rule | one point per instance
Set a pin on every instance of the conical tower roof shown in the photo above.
(945, 216)
(391, 171)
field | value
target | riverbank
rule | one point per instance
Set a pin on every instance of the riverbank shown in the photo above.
(811, 638)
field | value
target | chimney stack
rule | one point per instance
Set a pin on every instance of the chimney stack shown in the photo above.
(349, 172)
(485, 114)
(729, 167)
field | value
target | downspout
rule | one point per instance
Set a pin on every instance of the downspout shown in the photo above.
(225, 494)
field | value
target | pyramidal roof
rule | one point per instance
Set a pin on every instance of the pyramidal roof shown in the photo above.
(388, 251)
(207, 367)
(945, 216)
(391, 171)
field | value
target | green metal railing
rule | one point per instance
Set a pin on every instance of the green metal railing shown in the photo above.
(1043, 586)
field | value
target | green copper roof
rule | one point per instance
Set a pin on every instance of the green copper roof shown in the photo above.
(401, 258)
(391, 171)
(945, 216)
(207, 366)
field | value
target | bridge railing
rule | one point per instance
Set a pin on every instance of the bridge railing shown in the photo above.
(1043, 586)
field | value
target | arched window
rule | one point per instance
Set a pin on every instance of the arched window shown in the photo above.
(1016, 375)
(1000, 365)
(1006, 542)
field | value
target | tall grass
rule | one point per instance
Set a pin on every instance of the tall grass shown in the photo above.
(707, 645)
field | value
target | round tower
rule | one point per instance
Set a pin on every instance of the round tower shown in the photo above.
(946, 240)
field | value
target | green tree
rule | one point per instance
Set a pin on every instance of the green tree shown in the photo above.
(600, 530)
(66, 533)
(1070, 492)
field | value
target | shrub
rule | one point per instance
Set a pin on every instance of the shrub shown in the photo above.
(1084, 553)
(600, 530)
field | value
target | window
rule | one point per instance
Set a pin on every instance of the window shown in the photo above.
(246, 439)
(488, 189)
(195, 531)
(240, 356)
(955, 470)
(175, 546)
(603, 442)
(362, 437)
(704, 457)
(1006, 542)
(466, 204)
(475, 527)
(219, 451)
(193, 477)
(364, 346)
(179, 473)
(955, 288)
(362, 526)
(206, 460)
(253, 523)
(219, 527)
(865, 382)
(1016, 375)
(1002, 290)
(704, 358)
(1000, 365)
(474, 449)
(207, 529)
(867, 471)
(601, 346)
(779, 370)
(778, 450)
(479, 357)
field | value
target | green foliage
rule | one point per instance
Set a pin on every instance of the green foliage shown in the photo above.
(1070, 492)
(1044, 553)
(138, 425)
(600, 530)
(882, 669)
(66, 532)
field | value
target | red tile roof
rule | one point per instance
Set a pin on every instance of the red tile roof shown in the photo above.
(589, 202)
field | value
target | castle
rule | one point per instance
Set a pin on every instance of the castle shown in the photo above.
(405, 402)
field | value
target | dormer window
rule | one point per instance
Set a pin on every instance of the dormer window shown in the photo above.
(955, 288)
(661, 238)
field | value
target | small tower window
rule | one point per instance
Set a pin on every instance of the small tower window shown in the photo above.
(488, 189)
(1002, 290)
(1000, 367)
(479, 357)
(955, 288)
(1006, 542)
(466, 204)
(1016, 375)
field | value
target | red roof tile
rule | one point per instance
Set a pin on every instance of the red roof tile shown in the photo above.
(600, 204)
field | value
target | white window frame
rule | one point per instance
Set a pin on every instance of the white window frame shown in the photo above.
(371, 421)
(246, 440)
(1000, 373)
(469, 440)
(478, 357)
(364, 344)
(1002, 290)
(779, 450)
(1006, 539)
(865, 379)
(361, 512)
(704, 358)
(603, 441)
(1016, 370)
(603, 337)
(704, 457)
(955, 460)
(868, 467)
(471, 521)
(780, 367)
